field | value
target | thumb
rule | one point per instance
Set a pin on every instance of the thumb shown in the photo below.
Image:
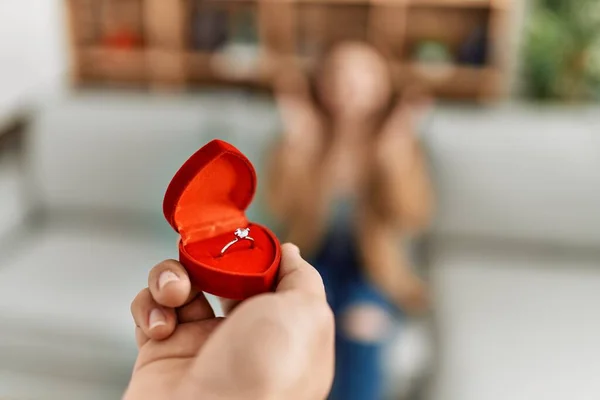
(295, 274)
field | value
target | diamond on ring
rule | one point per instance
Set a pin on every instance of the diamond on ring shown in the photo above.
(240, 234)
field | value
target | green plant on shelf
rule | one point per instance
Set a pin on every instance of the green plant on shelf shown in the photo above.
(562, 50)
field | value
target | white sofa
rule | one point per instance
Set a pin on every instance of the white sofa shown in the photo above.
(511, 256)
(514, 259)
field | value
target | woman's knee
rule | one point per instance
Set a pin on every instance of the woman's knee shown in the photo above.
(365, 322)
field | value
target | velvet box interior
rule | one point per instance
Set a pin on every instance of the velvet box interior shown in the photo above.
(205, 203)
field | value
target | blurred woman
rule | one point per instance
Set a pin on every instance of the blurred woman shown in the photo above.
(349, 183)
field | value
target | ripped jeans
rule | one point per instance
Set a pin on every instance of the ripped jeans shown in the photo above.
(364, 321)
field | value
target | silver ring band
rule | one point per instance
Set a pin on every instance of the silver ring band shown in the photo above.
(240, 234)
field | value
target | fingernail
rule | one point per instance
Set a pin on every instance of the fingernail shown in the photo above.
(166, 277)
(157, 318)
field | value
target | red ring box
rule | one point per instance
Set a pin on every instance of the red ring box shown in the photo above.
(205, 203)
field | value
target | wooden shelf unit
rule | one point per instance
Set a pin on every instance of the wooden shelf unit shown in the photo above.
(174, 49)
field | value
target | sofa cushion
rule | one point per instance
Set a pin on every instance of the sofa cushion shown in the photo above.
(65, 292)
(519, 173)
(119, 153)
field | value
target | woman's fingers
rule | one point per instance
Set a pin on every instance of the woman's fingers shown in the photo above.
(152, 320)
(170, 285)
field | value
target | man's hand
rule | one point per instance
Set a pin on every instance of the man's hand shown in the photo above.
(273, 346)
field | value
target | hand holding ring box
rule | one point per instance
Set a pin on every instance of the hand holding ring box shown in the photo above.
(224, 254)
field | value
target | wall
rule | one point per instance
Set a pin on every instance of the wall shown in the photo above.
(32, 62)
(32, 48)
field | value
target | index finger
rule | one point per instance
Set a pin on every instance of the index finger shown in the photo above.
(170, 285)
(295, 274)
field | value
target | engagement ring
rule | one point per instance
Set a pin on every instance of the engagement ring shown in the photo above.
(240, 234)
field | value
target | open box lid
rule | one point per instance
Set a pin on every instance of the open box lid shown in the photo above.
(210, 193)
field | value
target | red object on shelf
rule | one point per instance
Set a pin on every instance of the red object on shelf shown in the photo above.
(206, 202)
(122, 39)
